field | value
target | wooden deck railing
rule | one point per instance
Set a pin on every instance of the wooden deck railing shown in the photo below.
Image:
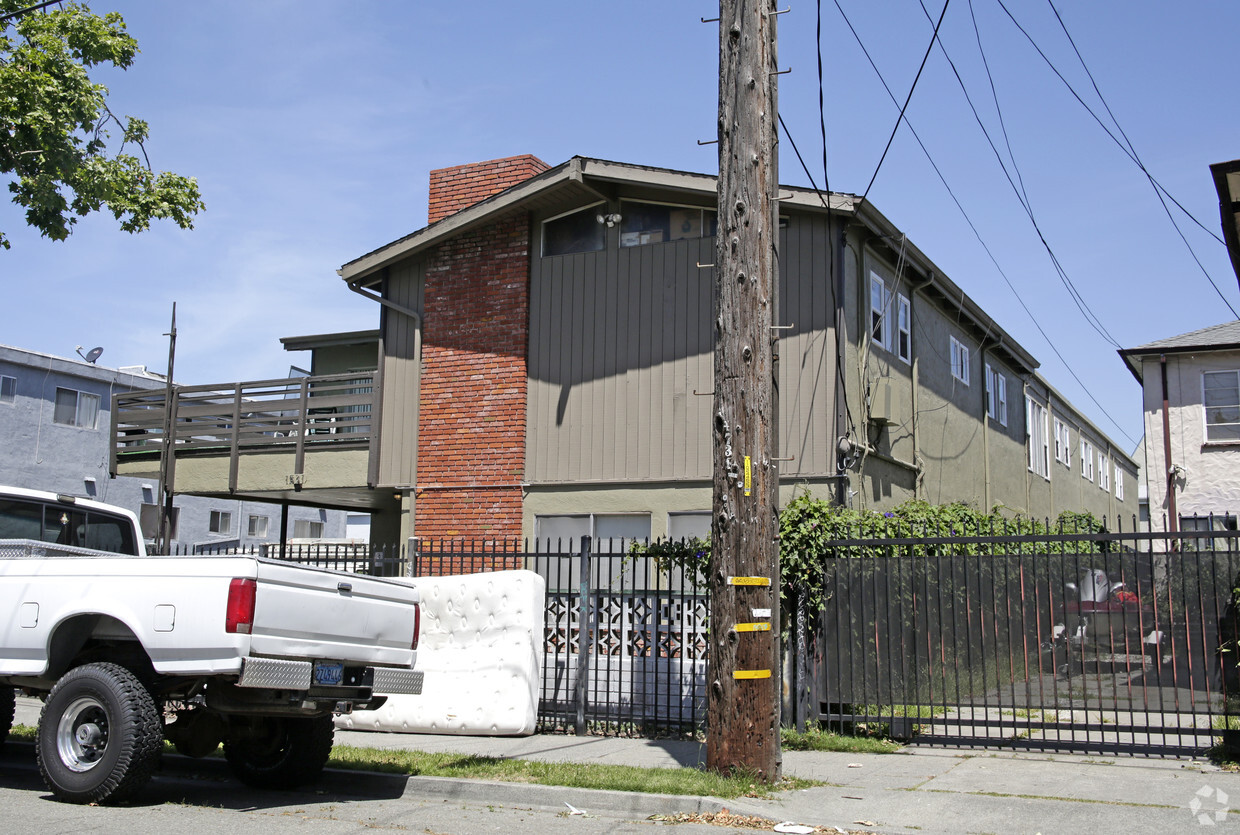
(296, 414)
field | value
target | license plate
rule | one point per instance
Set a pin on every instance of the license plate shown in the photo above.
(328, 673)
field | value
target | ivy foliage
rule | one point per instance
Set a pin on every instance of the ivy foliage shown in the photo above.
(807, 525)
(55, 124)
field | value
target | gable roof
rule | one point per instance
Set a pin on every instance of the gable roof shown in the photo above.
(1224, 337)
(573, 184)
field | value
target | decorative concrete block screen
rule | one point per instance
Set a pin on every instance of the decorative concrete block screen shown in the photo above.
(482, 652)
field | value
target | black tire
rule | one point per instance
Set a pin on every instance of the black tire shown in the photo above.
(99, 735)
(8, 707)
(281, 753)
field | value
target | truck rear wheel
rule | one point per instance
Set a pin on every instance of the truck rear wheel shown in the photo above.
(8, 706)
(280, 752)
(99, 735)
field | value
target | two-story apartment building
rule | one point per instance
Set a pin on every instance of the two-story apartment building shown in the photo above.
(543, 368)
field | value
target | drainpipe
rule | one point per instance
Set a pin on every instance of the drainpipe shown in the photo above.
(1173, 518)
(373, 473)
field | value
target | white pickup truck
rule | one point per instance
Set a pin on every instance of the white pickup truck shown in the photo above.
(127, 649)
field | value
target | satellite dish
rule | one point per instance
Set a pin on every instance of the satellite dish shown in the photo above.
(92, 355)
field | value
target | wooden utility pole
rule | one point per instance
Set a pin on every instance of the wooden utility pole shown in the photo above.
(167, 453)
(744, 681)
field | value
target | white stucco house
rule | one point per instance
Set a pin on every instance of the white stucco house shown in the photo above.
(1191, 401)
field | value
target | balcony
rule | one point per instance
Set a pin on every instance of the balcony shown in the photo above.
(288, 422)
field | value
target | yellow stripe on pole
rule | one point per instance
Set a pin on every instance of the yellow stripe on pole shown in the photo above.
(753, 627)
(740, 674)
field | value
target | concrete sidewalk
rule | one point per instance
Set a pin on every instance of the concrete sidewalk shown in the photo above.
(918, 790)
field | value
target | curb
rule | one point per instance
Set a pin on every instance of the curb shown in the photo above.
(373, 784)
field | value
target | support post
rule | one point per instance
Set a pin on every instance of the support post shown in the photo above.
(583, 634)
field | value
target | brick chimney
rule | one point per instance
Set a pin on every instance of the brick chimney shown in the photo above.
(461, 186)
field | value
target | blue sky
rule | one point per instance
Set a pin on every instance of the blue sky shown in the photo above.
(311, 127)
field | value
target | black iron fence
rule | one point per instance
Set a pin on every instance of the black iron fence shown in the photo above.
(1112, 642)
(624, 638)
(1122, 642)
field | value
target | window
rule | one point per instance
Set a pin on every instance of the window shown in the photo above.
(8, 389)
(578, 231)
(904, 332)
(1221, 399)
(1087, 460)
(221, 522)
(898, 339)
(258, 527)
(960, 360)
(1063, 443)
(1119, 483)
(1039, 448)
(996, 395)
(652, 223)
(612, 532)
(76, 408)
(1104, 472)
(688, 525)
(307, 529)
(880, 299)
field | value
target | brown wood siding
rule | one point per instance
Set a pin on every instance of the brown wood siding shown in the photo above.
(401, 377)
(620, 339)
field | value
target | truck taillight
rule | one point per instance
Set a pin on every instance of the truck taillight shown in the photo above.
(239, 615)
(417, 624)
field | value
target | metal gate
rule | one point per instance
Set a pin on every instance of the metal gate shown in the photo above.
(1112, 642)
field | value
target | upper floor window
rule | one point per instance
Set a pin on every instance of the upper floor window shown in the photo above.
(1119, 482)
(880, 302)
(1063, 445)
(1104, 472)
(891, 330)
(221, 522)
(1087, 460)
(652, 223)
(76, 408)
(904, 330)
(258, 527)
(576, 231)
(1221, 398)
(960, 360)
(307, 529)
(1039, 448)
(8, 389)
(996, 395)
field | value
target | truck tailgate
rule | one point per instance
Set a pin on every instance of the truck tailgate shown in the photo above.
(311, 613)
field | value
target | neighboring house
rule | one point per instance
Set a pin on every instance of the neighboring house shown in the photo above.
(543, 368)
(54, 417)
(1191, 397)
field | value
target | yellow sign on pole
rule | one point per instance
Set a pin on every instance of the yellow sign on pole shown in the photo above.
(740, 674)
(753, 627)
(748, 476)
(749, 581)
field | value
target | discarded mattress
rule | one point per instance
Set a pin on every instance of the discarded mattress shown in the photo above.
(481, 650)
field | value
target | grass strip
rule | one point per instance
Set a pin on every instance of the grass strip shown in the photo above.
(680, 781)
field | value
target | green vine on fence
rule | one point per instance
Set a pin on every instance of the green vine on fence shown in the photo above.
(808, 524)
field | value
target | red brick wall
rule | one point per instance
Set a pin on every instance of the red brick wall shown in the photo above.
(456, 188)
(471, 424)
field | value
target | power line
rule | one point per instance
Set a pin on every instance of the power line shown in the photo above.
(1086, 311)
(900, 118)
(976, 233)
(1128, 149)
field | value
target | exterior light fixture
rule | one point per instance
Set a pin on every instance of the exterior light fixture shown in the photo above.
(609, 219)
